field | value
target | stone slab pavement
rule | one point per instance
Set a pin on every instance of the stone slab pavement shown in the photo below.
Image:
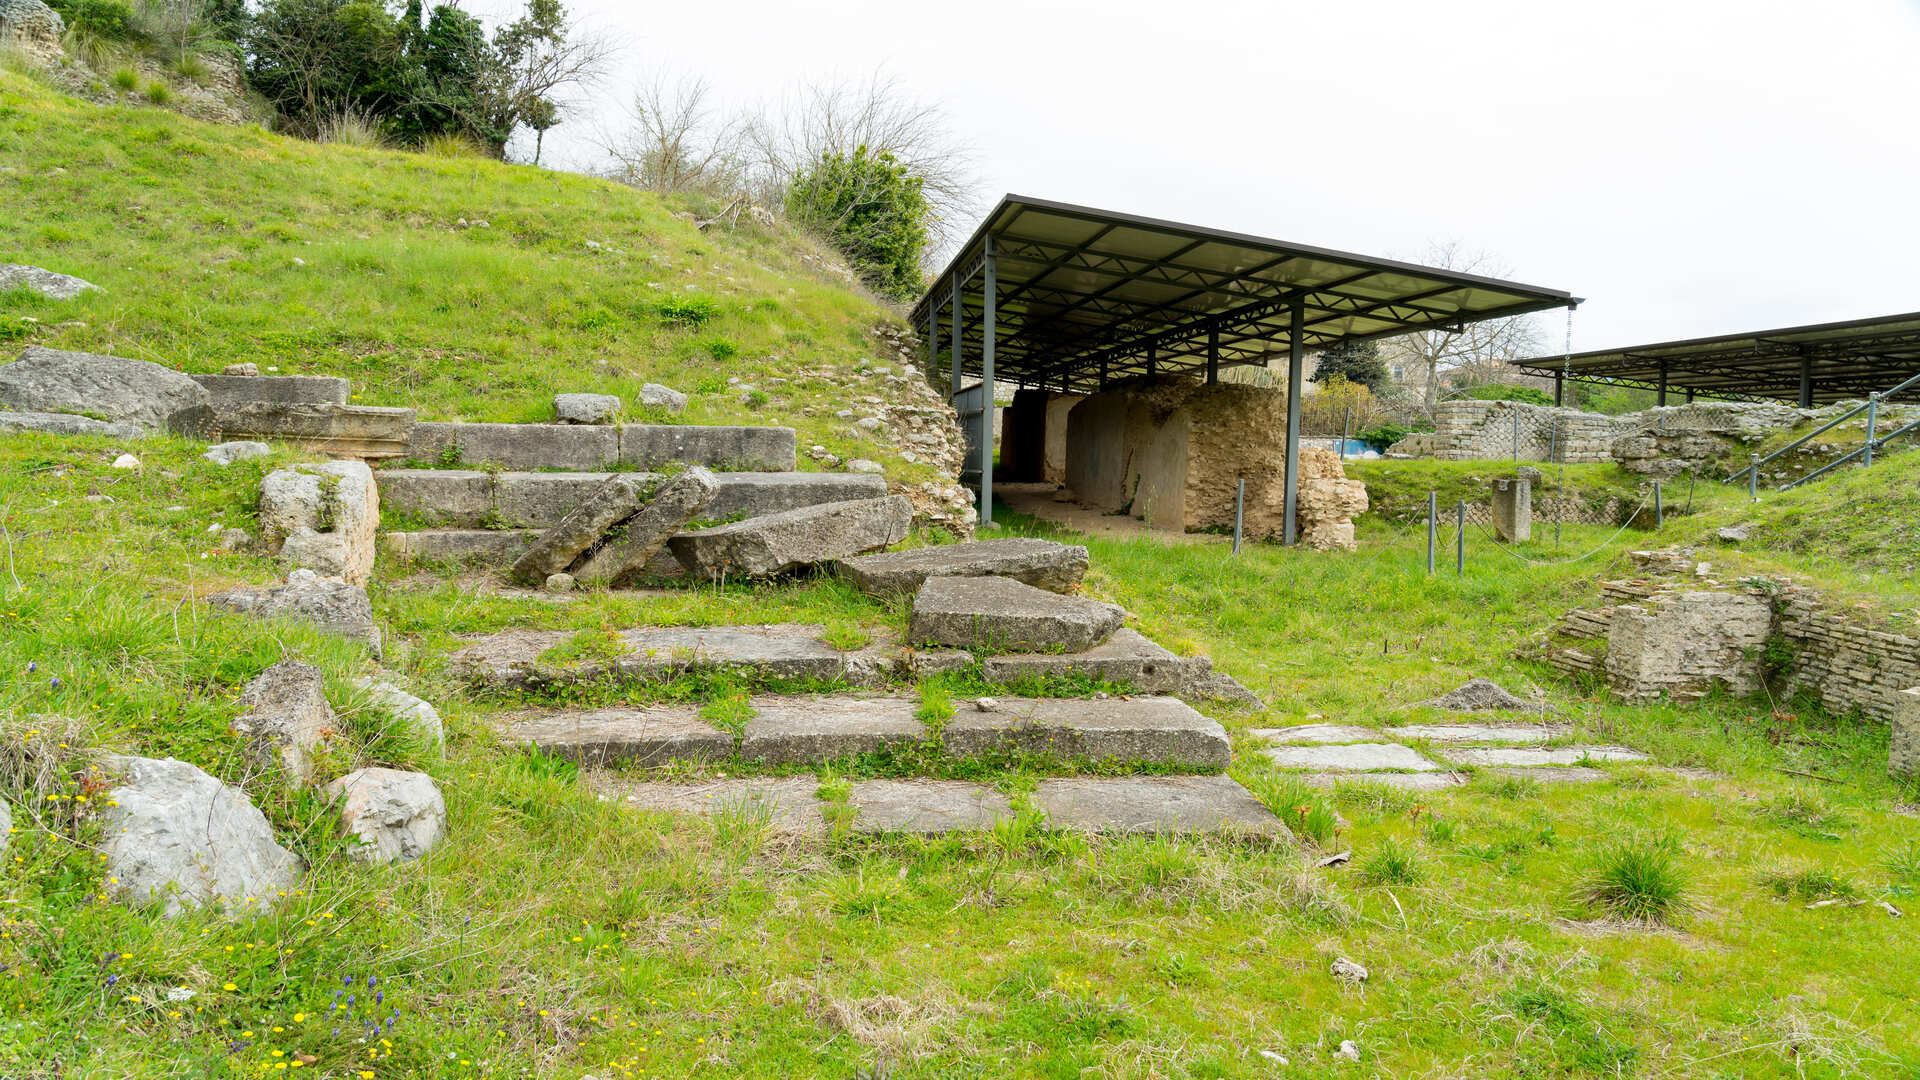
(1343, 753)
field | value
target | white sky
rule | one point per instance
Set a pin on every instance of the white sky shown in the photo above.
(1689, 166)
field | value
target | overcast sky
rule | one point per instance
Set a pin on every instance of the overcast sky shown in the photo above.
(1689, 167)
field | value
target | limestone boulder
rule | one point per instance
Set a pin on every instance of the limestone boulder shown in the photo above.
(586, 408)
(417, 714)
(613, 501)
(396, 815)
(328, 603)
(1004, 615)
(775, 543)
(285, 718)
(656, 396)
(227, 453)
(624, 553)
(176, 835)
(1040, 563)
(107, 388)
(323, 518)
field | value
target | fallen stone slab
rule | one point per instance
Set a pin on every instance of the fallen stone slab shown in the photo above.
(516, 446)
(1480, 733)
(285, 718)
(1004, 615)
(776, 543)
(1127, 657)
(1154, 804)
(474, 547)
(470, 498)
(345, 431)
(788, 806)
(623, 736)
(757, 494)
(624, 552)
(925, 806)
(69, 424)
(585, 408)
(1351, 757)
(47, 283)
(225, 390)
(1536, 756)
(1160, 730)
(397, 816)
(1421, 781)
(806, 731)
(328, 603)
(322, 518)
(417, 714)
(513, 659)
(173, 834)
(109, 388)
(724, 448)
(1199, 682)
(227, 453)
(1305, 734)
(1482, 695)
(1040, 563)
(614, 501)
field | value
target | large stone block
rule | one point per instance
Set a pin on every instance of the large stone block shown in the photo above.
(652, 446)
(623, 736)
(68, 424)
(224, 390)
(322, 518)
(806, 731)
(456, 497)
(173, 834)
(1513, 510)
(328, 603)
(108, 388)
(347, 431)
(1685, 644)
(396, 815)
(517, 446)
(757, 494)
(925, 806)
(1154, 804)
(473, 499)
(520, 659)
(613, 501)
(1161, 730)
(625, 551)
(1000, 614)
(1127, 658)
(473, 547)
(1040, 563)
(285, 718)
(1903, 758)
(774, 543)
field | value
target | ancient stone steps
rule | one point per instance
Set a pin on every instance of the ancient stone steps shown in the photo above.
(811, 730)
(473, 499)
(1110, 805)
(589, 447)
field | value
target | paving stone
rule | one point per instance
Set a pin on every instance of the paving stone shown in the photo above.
(1040, 563)
(223, 390)
(805, 731)
(1001, 614)
(925, 806)
(624, 553)
(477, 547)
(1421, 781)
(622, 736)
(1487, 733)
(1354, 757)
(776, 543)
(344, 431)
(651, 446)
(1162, 730)
(1317, 733)
(1127, 657)
(1152, 804)
(1534, 756)
(517, 446)
(511, 658)
(793, 805)
(614, 501)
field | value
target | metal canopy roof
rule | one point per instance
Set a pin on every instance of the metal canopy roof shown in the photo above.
(1820, 363)
(1084, 293)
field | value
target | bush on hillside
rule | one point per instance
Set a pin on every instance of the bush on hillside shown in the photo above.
(107, 20)
(873, 210)
(1526, 395)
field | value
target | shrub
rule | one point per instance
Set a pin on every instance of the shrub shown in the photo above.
(873, 209)
(101, 20)
(1526, 395)
(1386, 435)
(159, 93)
(688, 310)
(1636, 880)
(190, 66)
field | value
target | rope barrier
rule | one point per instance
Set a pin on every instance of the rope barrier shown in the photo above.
(1564, 562)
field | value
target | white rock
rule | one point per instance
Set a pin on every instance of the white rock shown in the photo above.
(286, 717)
(227, 453)
(1349, 1050)
(868, 423)
(412, 711)
(1277, 1059)
(126, 461)
(656, 396)
(560, 582)
(986, 704)
(396, 815)
(173, 833)
(1348, 971)
(241, 369)
(586, 408)
(843, 414)
(865, 465)
(322, 518)
(47, 283)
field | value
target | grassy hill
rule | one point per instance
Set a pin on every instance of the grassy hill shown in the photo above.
(465, 288)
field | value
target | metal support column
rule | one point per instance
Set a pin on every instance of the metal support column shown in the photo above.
(1663, 382)
(1213, 353)
(955, 303)
(1296, 357)
(1806, 382)
(1873, 418)
(989, 329)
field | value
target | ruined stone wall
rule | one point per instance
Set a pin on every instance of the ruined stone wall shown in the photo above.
(1848, 663)
(1054, 458)
(1469, 430)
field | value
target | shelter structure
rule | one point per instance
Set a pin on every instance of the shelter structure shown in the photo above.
(1805, 365)
(1070, 298)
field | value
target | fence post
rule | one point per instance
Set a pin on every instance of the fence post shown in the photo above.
(1753, 477)
(1239, 507)
(1553, 441)
(1346, 431)
(1460, 540)
(1659, 511)
(1873, 415)
(1433, 525)
(1516, 436)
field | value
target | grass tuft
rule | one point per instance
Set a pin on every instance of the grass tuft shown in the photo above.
(1636, 879)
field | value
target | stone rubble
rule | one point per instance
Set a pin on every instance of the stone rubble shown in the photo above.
(172, 833)
(656, 396)
(324, 518)
(397, 816)
(329, 603)
(285, 718)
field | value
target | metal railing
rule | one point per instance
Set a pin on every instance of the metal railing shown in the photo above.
(1871, 407)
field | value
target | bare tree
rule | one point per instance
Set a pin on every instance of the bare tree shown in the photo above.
(536, 56)
(673, 142)
(1479, 349)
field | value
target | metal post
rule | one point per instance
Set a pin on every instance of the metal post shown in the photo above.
(1659, 510)
(1559, 389)
(1346, 432)
(1873, 415)
(1433, 526)
(1516, 436)
(989, 329)
(1213, 353)
(955, 303)
(1553, 441)
(1806, 382)
(1296, 357)
(1753, 477)
(1239, 506)
(1663, 382)
(1460, 540)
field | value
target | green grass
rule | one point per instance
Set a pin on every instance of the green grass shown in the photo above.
(1640, 880)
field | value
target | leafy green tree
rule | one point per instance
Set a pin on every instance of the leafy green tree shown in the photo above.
(874, 211)
(1357, 362)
